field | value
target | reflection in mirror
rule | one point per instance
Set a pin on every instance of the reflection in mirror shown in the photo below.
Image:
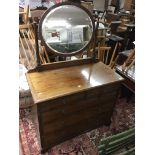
(67, 29)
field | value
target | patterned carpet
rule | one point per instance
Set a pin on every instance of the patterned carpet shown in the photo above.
(123, 118)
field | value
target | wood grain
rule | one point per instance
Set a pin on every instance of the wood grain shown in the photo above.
(72, 100)
(50, 84)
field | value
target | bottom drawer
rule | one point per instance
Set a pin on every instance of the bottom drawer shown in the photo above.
(69, 131)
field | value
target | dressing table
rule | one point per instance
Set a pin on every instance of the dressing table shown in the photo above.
(75, 96)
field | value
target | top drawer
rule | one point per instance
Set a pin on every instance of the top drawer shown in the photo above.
(108, 91)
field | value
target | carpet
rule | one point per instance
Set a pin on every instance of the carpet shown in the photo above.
(122, 119)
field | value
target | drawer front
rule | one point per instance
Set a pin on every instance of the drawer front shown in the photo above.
(72, 115)
(72, 118)
(59, 113)
(69, 131)
(96, 92)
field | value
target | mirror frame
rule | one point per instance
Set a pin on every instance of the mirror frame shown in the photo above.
(55, 52)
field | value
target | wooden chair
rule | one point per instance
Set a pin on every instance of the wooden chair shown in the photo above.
(103, 51)
(113, 25)
(102, 42)
(129, 62)
(125, 66)
(124, 140)
(103, 54)
(27, 48)
(88, 5)
(115, 42)
(25, 15)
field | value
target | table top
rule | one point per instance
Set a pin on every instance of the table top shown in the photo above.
(115, 38)
(130, 25)
(130, 74)
(54, 83)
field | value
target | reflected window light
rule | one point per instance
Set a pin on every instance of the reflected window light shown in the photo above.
(80, 26)
(85, 74)
(91, 80)
(57, 23)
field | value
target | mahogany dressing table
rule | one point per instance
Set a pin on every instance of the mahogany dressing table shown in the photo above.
(76, 96)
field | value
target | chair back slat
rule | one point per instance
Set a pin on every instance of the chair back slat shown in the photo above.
(29, 44)
(27, 51)
(24, 58)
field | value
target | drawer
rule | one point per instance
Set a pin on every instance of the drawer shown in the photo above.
(59, 112)
(80, 97)
(110, 88)
(74, 129)
(52, 126)
(51, 105)
(76, 97)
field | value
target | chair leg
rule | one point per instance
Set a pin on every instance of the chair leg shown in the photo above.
(113, 54)
(114, 63)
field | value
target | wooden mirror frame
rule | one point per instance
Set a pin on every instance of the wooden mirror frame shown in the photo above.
(55, 51)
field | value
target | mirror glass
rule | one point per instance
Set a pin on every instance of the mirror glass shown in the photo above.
(66, 29)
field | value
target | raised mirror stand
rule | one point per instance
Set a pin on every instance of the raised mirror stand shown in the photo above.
(66, 29)
(68, 94)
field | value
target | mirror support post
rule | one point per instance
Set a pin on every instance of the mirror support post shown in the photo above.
(36, 43)
(94, 39)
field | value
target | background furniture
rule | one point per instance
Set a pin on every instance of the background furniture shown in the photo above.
(115, 42)
(114, 143)
(25, 97)
(127, 69)
(27, 49)
(24, 15)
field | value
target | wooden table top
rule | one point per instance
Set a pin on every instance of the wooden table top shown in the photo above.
(50, 84)
(130, 74)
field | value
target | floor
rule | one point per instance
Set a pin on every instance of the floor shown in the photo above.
(123, 118)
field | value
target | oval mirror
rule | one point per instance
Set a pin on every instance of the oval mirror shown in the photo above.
(66, 28)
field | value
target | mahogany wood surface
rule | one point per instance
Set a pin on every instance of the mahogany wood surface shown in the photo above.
(72, 100)
(54, 83)
(62, 64)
